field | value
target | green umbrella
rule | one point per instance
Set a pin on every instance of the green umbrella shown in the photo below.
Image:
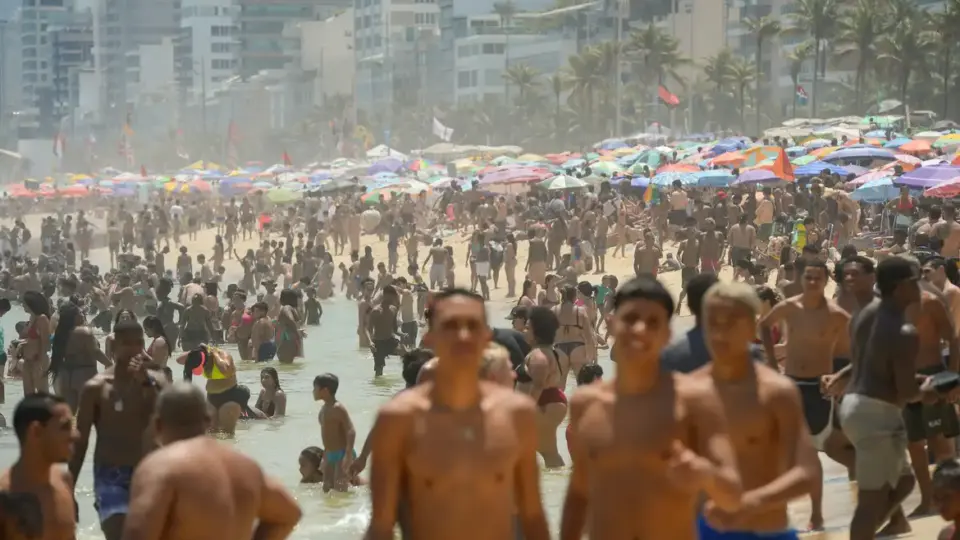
(562, 181)
(595, 180)
(502, 160)
(283, 196)
(608, 168)
(803, 160)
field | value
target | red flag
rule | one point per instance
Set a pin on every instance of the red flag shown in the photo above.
(286, 159)
(143, 171)
(782, 167)
(670, 99)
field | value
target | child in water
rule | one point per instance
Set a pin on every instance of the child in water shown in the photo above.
(313, 308)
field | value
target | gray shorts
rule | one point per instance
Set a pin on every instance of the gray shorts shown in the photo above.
(879, 436)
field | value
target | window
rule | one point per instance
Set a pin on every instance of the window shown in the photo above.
(223, 64)
(466, 79)
(220, 47)
(220, 31)
(493, 48)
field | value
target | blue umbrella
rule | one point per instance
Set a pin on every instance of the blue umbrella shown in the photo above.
(613, 144)
(667, 179)
(860, 152)
(714, 178)
(897, 143)
(880, 190)
(876, 134)
(816, 167)
(638, 181)
(573, 163)
(797, 151)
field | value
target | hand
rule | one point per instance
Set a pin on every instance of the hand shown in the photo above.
(928, 392)
(685, 468)
(723, 520)
(357, 466)
(832, 386)
(346, 463)
(373, 347)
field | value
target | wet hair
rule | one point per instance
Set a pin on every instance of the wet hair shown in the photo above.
(195, 358)
(69, 316)
(288, 297)
(949, 268)
(526, 285)
(644, 288)
(586, 288)
(865, 263)
(589, 373)
(544, 325)
(568, 294)
(327, 380)
(893, 271)
(127, 330)
(260, 305)
(946, 475)
(451, 293)
(740, 293)
(412, 361)
(153, 324)
(37, 303)
(768, 294)
(313, 454)
(696, 288)
(36, 407)
(272, 372)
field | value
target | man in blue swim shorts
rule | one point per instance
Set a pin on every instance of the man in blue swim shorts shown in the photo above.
(119, 403)
(778, 461)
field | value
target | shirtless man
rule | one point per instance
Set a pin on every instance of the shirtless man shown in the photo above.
(878, 385)
(646, 444)
(36, 494)
(742, 238)
(856, 278)
(338, 433)
(932, 424)
(937, 272)
(816, 330)
(364, 307)
(196, 488)
(947, 232)
(778, 462)
(382, 332)
(646, 256)
(426, 450)
(118, 403)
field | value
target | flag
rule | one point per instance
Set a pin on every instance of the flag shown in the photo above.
(650, 195)
(801, 95)
(143, 171)
(671, 100)
(58, 144)
(782, 167)
(286, 159)
(442, 131)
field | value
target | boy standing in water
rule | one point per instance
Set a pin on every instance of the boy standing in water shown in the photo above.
(336, 429)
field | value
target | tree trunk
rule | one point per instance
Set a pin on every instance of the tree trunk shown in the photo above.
(816, 73)
(946, 82)
(756, 96)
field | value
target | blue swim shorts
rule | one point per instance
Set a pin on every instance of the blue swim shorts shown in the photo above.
(111, 488)
(707, 532)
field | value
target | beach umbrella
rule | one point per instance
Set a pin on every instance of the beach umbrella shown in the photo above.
(952, 139)
(868, 177)
(897, 143)
(612, 144)
(948, 189)
(877, 133)
(928, 177)
(876, 191)
(714, 178)
(279, 195)
(803, 160)
(562, 181)
(729, 159)
(667, 178)
(820, 153)
(864, 152)
(815, 168)
(757, 176)
(595, 179)
(816, 143)
(72, 191)
(916, 146)
(928, 136)
(678, 168)
(574, 163)
(389, 164)
(194, 186)
(608, 168)
(640, 181)
(796, 151)
(515, 175)
(533, 158)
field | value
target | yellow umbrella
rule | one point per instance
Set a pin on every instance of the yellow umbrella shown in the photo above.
(463, 164)
(532, 157)
(79, 177)
(625, 151)
(950, 139)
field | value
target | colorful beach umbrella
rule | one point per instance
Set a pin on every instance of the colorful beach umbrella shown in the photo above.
(562, 181)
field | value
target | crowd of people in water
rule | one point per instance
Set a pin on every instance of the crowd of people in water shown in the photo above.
(708, 434)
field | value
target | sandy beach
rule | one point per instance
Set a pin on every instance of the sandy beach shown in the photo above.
(839, 495)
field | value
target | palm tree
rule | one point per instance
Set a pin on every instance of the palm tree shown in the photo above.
(584, 77)
(742, 73)
(505, 10)
(719, 72)
(557, 82)
(523, 77)
(657, 55)
(762, 29)
(817, 18)
(858, 31)
(797, 57)
(906, 47)
(947, 25)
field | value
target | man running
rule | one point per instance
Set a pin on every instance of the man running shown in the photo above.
(36, 494)
(119, 403)
(778, 462)
(434, 443)
(816, 329)
(195, 488)
(647, 443)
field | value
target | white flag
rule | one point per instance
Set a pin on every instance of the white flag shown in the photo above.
(442, 131)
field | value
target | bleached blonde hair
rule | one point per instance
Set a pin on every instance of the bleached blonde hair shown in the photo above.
(491, 355)
(736, 292)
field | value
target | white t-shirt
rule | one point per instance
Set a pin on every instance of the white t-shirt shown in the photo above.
(176, 211)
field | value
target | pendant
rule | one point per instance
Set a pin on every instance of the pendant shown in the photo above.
(118, 406)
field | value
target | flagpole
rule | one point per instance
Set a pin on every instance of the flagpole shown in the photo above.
(618, 121)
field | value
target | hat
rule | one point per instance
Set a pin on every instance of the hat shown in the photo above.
(519, 312)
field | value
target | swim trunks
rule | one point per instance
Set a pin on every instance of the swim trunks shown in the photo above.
(875, 429)
(266, 351)
(817, 409)
(336, 456)
(925, 420)
(111, 488)
(706, 532)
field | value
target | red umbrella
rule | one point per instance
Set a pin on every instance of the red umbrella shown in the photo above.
(75, 190)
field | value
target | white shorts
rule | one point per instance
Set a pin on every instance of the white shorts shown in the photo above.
(482, 268)
(437, 273)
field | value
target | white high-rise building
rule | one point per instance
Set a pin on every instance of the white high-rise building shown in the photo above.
(207, 47)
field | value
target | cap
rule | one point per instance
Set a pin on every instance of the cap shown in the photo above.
(519, 312)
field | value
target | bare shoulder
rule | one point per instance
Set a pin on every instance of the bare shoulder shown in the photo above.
(62, 474)
(405, 404)
(585, 396)
(694, 389)
(498, 397)
(777, 386)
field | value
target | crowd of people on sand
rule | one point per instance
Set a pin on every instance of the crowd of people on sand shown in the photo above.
(708, 434)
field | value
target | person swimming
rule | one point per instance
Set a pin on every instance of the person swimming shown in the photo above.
(311, 460)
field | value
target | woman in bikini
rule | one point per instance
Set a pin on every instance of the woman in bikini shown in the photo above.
(548, 371)
(576, 342)
(159, 348)
(289, 339)
(36, 348)
(228, 399)
(549, 296)
(272, 401)
(528, 296)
